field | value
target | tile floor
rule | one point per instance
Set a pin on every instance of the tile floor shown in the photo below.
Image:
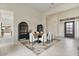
(66, 47)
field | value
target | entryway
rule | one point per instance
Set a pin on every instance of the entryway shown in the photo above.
(23, 30)
(69, 29)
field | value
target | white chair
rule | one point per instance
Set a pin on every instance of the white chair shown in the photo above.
(43, 38)
(31, 37)
(49, 37)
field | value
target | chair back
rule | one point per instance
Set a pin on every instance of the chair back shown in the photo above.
(49, 37)
(44, 37)
(31, 37)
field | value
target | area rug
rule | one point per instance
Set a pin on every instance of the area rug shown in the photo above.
(38, 48)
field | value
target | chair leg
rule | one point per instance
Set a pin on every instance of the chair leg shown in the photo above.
(47, 41)
(43, 41)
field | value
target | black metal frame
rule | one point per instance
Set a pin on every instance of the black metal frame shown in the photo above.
(69, 35)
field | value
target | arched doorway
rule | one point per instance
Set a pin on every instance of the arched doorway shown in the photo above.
(23, 30)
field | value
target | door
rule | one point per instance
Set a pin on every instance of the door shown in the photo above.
(69, 29)
(23, 30)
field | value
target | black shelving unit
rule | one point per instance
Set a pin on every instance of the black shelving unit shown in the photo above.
(23, 30)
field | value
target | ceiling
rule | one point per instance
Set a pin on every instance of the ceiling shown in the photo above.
(43, 7)
(52, 8)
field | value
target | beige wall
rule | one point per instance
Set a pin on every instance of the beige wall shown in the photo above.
(24, 13)
(52, 22)
(57, 27)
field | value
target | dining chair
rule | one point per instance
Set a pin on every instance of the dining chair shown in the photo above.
(49, 36)
(43, 38)
(31, 37)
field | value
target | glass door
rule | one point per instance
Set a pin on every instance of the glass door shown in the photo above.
(69, 29)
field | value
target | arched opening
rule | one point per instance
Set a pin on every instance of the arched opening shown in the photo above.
(23, 30)
(40, 28)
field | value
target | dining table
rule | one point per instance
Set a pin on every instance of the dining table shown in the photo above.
(38, 35)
